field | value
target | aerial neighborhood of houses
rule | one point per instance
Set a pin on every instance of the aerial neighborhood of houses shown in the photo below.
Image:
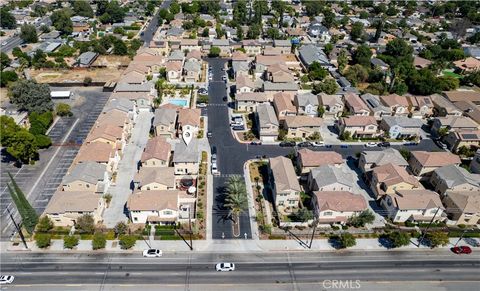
(337, 115)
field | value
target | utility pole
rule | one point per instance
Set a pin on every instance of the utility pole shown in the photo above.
(18, 228)
(190, 228)
(461, 237)
(313, 234)
(428, 226)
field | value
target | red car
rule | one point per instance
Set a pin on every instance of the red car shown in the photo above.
(462, 250)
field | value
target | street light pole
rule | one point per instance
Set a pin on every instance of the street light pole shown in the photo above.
(18, 228)
(428, 226)
(461, 237)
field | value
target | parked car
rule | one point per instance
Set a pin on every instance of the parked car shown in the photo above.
(214, 158)
(203, 91)
(225, 267)
(462, 250)
(288, 144)
(4, 43)
(152, 253)
(384, 144)
(214, 169)
(318, 144)
(238, 127)
(6, 279)
(344, 146)
(214, 150)
(256, 143)
(201, 105)
(328, 146)
(371, 144)
(411, 143)
(209, 134)
(224, 78)
(225, 98)
(305, 144)
(441, 145)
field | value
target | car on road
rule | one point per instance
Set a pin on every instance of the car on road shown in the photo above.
(201, 105)
(462, 250)
(225, 98)
(209, 134)
(23, 46)
(225, 267)
(305, 144)
(210, 78)
(371, 144)
(224, 78)
(214, 169)
(202, 91)
(214, 158)
(152, 253)
(4, 43)
(256, 143)
(344, 146)
(318, 144)
(6, 279)
(383, 144)
(238, 127)
(411, 143)
(287, 144)
(214, 150)
(328, 146)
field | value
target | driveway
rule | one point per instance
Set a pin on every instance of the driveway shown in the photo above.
(120, 192)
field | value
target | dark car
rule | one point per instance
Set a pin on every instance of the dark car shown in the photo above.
(256, 143)
(344, 146)
(287, 144)
(214, 150)
(305, 144)
(238, 127)
(462, 250)
(225, 98)
(384, 144)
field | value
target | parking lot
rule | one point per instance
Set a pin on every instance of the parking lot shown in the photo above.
(41, 180)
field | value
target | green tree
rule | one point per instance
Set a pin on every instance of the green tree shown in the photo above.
(120, 48)
(26, 211)
(120, 229)
(304, 215)
(85, 224)
(61, 21)
(43, 141)
(405, 153)
(63, 109)
(28, 33)
(239, 32)
(127, 241)
(328, 19)
(342, 60)
(236, 199)
(70, 241)
(115, 12)
(4, 60)
(30, 96)
(43, 240)
(346, 240)
(346, 135)
(273, 33)
(214, 52)
(7, 21)
(82, 8)
(240, 12)
(7, 77)
(356, 74)
(316, 71)
(437, 238)
(362, 56)
(8, 128)
(365, 217)
(22, 146)
(321, 111)
(45, 224)
(99, 241)
(327, 86)
(254, 31)
(358, 32)
(399, 239)
(174, 8)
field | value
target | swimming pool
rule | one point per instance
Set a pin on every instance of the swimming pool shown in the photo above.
(179, 102)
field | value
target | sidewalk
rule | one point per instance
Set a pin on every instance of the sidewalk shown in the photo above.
(227, 246)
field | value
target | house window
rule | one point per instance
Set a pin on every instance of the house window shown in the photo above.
(167, 212)
(433, 211)
(87, 185)
(135, 218)
(328, 213)
(281, 202)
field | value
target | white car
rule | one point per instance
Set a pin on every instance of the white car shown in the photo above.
(201, 105)
(4, 43)
(371, 144)
(318, 144)
(152, 253)
(215, 169)
(6, 280)
(225, 267)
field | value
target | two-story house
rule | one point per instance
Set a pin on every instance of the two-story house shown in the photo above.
(157, 153)
(286, 189)
(358, 126)
(337, 206)
(267, 123)
(164, 122)
(388, 178)
(88, 176)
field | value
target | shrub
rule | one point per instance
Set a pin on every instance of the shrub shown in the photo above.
(120, 229)
(43, 141)
(99, 241)
(45, 224)
(346, 240)
(87, 81)
(437, 238)
(70, 241)
(399, 239)
(85, 224)
(43, 240)
(127, 241)
(63, 109)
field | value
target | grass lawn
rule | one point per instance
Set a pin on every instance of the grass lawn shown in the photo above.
(452, 74)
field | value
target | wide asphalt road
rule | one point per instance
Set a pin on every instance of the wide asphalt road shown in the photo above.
(149, 32)
(296, 271)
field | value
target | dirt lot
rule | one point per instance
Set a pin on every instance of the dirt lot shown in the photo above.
(76, 75)
(110, 61)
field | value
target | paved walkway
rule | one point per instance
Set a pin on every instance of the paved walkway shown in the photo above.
(230, 246)
(251, 203)
(126, 170)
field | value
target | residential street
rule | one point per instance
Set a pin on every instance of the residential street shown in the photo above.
(232, 155)
(297, 271)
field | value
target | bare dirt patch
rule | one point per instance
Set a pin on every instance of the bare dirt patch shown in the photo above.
(77, 75)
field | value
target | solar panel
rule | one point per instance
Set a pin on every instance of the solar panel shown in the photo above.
(469, 136)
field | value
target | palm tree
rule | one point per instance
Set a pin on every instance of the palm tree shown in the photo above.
(236, 199)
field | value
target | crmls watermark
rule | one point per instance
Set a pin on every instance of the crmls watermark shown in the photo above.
(341, 284)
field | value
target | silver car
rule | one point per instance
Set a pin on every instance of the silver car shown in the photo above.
(225, 267)
(6, 280)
